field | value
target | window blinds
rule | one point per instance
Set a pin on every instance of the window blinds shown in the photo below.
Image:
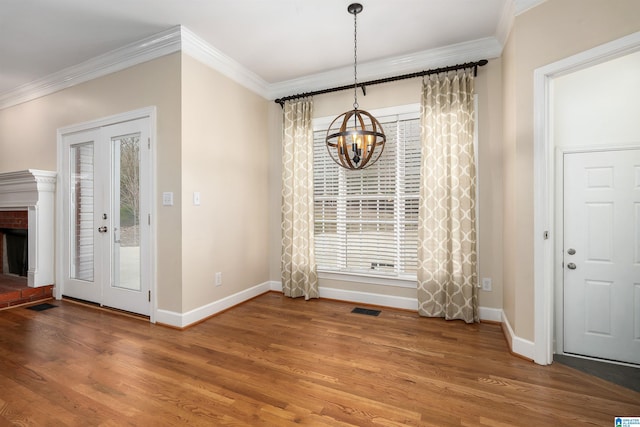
(367, 221)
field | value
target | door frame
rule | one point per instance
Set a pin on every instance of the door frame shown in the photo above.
(558, 241)
(150, 114)
(545, 226)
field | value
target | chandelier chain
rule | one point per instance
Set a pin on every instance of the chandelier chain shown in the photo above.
(355, 61)
(359, 144)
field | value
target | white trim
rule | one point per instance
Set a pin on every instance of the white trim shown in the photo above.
(557, 242)
(181, 320)
(490, 314)
(109, 120)
(505, 23)
(181, 39)
(382, 300)
(521, 6)
(544, 181)
(400, 112)
(274, 285)
(153, 200)
(160, 44)
(486, 48)
(510, 10)
(34, 191)
(200, 50)
(370, 298)
(518, 345)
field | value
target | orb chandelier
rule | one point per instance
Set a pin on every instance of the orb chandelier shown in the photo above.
(355, 139)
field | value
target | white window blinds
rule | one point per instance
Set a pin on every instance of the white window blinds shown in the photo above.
(367, 221)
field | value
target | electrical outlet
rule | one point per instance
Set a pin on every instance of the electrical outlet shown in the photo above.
(167, 198)
(486, 284)
(219, 278)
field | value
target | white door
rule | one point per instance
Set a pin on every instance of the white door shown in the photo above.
(106, 180)
(602, 254)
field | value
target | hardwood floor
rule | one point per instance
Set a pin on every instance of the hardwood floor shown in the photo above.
(277, 362)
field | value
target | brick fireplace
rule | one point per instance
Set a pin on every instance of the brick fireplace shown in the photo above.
(27, 203)
(10, 221)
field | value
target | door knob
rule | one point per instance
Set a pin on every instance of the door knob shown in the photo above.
(571, 266)
(571, 251)
(102, 229)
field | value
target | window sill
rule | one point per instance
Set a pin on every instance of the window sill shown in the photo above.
(370, 279)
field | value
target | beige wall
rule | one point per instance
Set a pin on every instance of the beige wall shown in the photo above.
(225, 157)
(28, 140)
(211, 139)
(489, 89)
(547, 33)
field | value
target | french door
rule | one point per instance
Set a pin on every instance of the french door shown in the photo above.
(106, 181)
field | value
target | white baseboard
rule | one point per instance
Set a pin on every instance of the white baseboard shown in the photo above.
(518, 345)
(369, 298)
(181, 320)
(486, 313)
(490, 314)
(360, 297)
(275, 286)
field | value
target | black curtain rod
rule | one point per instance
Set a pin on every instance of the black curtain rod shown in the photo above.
(363, 85)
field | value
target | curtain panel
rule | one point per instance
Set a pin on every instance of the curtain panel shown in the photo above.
(447, 254)
(298, 264)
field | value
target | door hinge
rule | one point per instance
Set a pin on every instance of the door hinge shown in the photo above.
(545, 235)
(149, 296)
(149, 219)
(149, 143)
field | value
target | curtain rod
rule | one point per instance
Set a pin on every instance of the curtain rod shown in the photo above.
(363, 85)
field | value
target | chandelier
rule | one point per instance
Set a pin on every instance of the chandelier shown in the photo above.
(355, 139)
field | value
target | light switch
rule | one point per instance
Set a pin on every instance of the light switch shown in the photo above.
(167, 198)
(196, 198)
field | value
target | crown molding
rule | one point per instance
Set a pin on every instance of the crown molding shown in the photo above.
(486, 48)
(506, 22)
(181, 39)
(160, 44)
(521, 6)
(510, 10)
(200, 50)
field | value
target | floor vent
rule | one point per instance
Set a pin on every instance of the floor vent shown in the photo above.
(366, 311)
(41, 307)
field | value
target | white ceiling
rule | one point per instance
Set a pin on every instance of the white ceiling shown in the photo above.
(277, 40)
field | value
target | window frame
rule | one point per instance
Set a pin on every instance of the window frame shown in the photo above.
(401, 112)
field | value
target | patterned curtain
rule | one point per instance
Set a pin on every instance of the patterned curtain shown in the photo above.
(447, 275)
(298, 263)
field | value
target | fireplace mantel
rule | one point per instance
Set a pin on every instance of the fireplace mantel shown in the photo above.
(34, 191)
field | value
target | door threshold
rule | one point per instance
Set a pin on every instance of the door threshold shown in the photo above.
(113, 310)
(599, 359)
(623, 374)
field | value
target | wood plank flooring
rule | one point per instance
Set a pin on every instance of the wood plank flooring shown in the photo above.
(274, 361)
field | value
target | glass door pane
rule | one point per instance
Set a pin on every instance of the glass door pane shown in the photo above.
(81, 219)
(126, 212)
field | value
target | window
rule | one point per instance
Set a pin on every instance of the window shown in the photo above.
(366, 222)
